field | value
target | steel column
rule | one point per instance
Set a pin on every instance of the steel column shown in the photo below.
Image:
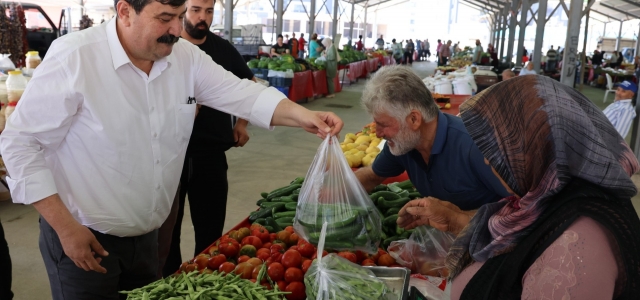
(312, 18)
(635, 130)
(583, 57)
(353, 9)
(228, 19)
(619, 39)
(364, 30)
(540, 23)
(334, 31)
(512, 28)
(637, 44)
(523, 29)
(279, 13)
(503, 29)
(571, 45)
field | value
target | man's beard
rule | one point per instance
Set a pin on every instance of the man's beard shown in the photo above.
(405, 141)
(194, 31)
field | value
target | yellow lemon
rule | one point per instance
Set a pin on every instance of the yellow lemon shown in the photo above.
(354, 151)
(372, 149)
(447, 106)
(344, 148)
(350, 136)
(348, 141)
(351, 146)
(363, 139)
(360, 154)
(362, 147)
(367, 161)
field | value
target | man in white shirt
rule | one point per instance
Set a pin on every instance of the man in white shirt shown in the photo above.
(528, 70)
(621, 112)
(477, 53)
(98, 141)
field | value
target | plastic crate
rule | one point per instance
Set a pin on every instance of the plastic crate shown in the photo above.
(265, 73)
(256, 71)
(280, 81)
(284, 90)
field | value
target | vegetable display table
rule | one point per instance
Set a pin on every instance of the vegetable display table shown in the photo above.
(320, 83)
(455, 101)
(301, 86)
(372, 65)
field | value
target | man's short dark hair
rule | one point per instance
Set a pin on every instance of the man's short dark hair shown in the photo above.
(360, 36)
(280, 36)
(138, 5)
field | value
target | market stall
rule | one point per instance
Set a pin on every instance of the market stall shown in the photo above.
(301, 86)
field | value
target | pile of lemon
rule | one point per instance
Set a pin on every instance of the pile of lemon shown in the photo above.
(360, 149)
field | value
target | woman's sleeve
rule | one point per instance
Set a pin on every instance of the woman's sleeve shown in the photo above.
(580, 264)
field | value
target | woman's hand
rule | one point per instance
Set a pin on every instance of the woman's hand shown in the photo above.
(442, 215)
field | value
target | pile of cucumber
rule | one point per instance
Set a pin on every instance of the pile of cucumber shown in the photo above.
(389, 199)
(278, 208)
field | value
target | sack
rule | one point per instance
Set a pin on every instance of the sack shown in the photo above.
(331, 193)
(5, 63)
(424, 252)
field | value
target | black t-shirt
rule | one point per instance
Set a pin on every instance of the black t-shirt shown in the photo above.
(280, 49)
(213, 129)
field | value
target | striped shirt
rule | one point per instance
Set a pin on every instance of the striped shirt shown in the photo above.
(621, 114)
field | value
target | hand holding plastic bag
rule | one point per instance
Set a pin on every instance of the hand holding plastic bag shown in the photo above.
(331, 193)
(424, 252)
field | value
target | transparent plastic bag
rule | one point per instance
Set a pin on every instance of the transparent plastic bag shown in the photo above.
(5, 63)
(331, 193)
(424, 251)
(333, 277)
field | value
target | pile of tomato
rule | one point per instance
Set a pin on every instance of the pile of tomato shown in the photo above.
(287, 256)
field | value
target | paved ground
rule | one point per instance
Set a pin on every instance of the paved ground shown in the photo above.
(271, 159)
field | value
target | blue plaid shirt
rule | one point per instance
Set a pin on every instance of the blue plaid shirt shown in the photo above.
(621, 113)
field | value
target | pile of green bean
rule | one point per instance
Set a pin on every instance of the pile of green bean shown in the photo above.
(196, 286)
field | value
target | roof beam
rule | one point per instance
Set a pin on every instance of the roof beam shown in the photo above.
(636, 4)
(488, 4)
(608, 16)
(619, 10)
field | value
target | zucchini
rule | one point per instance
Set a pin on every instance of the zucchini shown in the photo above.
(393, 203)
(289, 214)
(285, 191)
(387, 195)
(291, 206)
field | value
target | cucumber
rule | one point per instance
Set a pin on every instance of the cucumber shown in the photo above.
(260, 201)
(262, 213)
(415, 195)
(274, 225)
(392, 211)
(268, 228)
(288, 214)
(298, 180)
(338, 245)
(337, 224)
(387, 195)
(339, 233)
(394, 188)
(261, 221)
(285, 191)
(388, 241)
(291, 206)
(283, 199)
(264, 194)
(271, 204)
(405, 185)
(405, 235)
(296, 192)
(403, 193)
(380, 187)
(393, 203)
(390, 221)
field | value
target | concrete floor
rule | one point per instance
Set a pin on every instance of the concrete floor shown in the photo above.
(271, 159)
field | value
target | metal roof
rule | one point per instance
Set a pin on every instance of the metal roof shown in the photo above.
(380, 4)
(617, 10)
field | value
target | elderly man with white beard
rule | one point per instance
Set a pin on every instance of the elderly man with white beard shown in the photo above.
(434, 148)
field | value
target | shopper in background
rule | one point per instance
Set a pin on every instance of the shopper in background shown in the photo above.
(493, 54)
(380, 43)
(293, 45)
(418, 50)
(314, 47)
(568, 229)
(397, 51)
(427, 51)
(301, 44)
(5, 268)
(214, 132)
(622, 111)
(408, 53)
(438, 51)
(528, 70)
(99, 139)
(636, 67)
(444, 54)
(477, 53)
(596, 59)
(359, 44)
(331, 54)
(619, 60)
(279, 48)
(434, 148)
(552, 59)
(286, 39)
(507, 74)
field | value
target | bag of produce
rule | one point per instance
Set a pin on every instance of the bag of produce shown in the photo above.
(334, 277)
(5, 63)
(424, 252)
(331, 193)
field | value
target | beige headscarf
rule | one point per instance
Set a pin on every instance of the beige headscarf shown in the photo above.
(327, 42)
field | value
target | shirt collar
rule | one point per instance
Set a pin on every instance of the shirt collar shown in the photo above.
(624, 101)
(119, 56)
(441, 134)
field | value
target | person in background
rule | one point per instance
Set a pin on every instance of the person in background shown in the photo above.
(525, 53)
(408, 53)
(5, 268)
(433, 147)
(596, 59)
(359, 44)
(622, 111)
(314, 47)
(568, 228)
(426, 47)
(331, 53)
(528, 70)
(444, 54)
(214, 132)
(477, 53)
(418, 50)
(438, 47)
(293, 45)
(493, 54)
(100, 160)
(301, 44)
(552, 59)
(380, 43)
(507, 74)
(397, 51)
(286, 39)
(619, 60)
(279, 47)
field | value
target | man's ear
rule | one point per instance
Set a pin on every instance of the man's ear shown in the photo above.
(123, 11)
(414, 119)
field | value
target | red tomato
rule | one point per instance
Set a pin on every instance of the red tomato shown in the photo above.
(255, 226)
(315, 255)
(293, 239)
(256, 272)
(349, 256)
(252, 280)
(255, 261)
(297, 291)
(213, 251)
(227, 267)
(275, 271)
(361, 256)
(291, 259)
(282, 285)
(190, 268)
(272, 237)
(266, 245)
(293, 275)
(305, 265)
(284, 236)
(293, 248)
(243, 258)
(263, 254)
(261, 233)
(183, 266)
(368, 262)
(244, 269)
(266, 285)
(306, 249)
(215, 262)
(289, 229)
(276, 252)
(376, 256)
(252, 240)
(201, 260)
(386, 260)
(229, 249)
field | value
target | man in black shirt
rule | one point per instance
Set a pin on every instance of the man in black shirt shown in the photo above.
(204, 175)
(279, 47)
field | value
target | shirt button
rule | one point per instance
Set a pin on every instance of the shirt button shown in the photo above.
(155, 134)
(157, 161)
(157, 187)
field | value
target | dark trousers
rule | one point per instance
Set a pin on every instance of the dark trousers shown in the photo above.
(5, 268)
(427, 53)
(443, 61)
(408, 57)
(132, 263)
(204, 179)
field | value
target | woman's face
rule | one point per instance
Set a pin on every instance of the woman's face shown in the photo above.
(509, 190)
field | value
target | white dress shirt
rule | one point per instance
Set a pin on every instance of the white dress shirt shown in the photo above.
(621, 113)
(526, 71)
(110, 139)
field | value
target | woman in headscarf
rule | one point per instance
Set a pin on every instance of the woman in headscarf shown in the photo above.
(569, 231)
(331, 55)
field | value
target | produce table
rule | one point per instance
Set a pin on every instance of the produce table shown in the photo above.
(372, 65)
(301, 86)
(356, 70)
(456, 100)
(320, 83)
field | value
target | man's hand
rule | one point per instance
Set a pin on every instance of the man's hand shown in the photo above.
(240, 134)
(321, 123)
(81, 246)
(442, 215)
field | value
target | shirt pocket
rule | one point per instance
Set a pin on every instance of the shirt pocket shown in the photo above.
(185, 116)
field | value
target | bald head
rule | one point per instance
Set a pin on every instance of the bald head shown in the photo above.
(507, 74)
